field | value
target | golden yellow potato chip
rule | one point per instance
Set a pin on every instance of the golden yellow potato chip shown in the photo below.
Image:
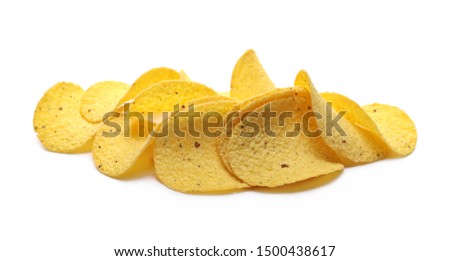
(302, 80)
(58, 121)
(395, 126)
(158, 118)
(352, 144)
(148, 79)
(263, 98)
(234, 116)
(192, 163)
(282, 154)
(199, 101)
(353, 112)
(162, 97)
(184, 76)
(119, 144)
(249, 77)
(357, 116)
(102, 98)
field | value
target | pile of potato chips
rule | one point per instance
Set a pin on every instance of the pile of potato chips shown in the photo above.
(104, 119)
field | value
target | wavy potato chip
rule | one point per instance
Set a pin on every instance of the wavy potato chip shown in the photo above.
(58, 122)
(162, 96)
(249, 77)
(148, 79)
(116, 150)
(192, 163)
(396, 128)
(287, 155)
(102, 98)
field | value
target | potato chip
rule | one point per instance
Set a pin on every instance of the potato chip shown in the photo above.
(302, 80)
(119, 144)
(192, 163)
(240, 109)
(162, 96)
(357, 116)
(262, 98)
(58, 121)
(396, 128)
(353, 112)
(249, 77)
(352, 144)
(284, 157)
(102, 98)
(148, 79)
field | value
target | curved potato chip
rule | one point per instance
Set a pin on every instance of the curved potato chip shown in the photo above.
(162, 96)
(350, 143)
(243, 107)
(102, 98)
(302, 80)
(353, 112)
(396, 128)
(192, 163)
(263, 98)
(118, 145)
(249, 77)
(284, 157)
(148, 79)
(357, 116)
(58, 121)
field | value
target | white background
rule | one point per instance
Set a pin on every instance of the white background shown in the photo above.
(58, 207)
